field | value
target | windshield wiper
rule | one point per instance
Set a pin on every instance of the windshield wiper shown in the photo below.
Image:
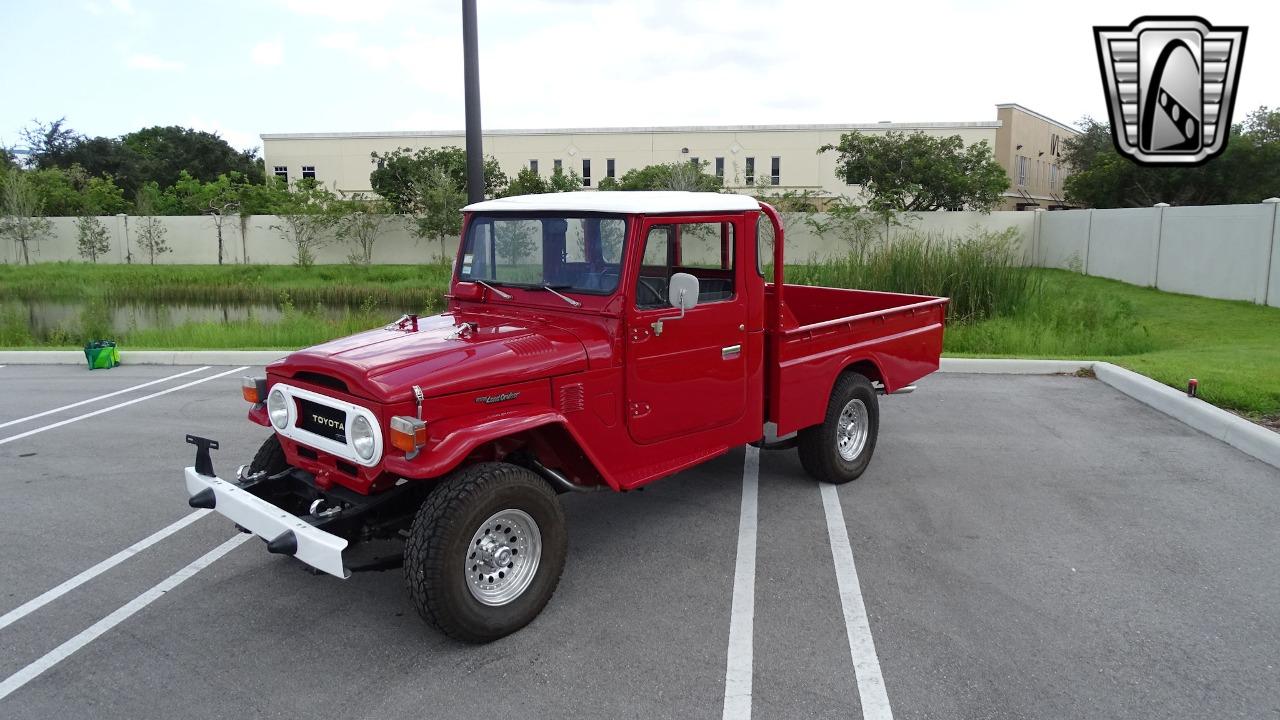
(496, 291)
(552, 289)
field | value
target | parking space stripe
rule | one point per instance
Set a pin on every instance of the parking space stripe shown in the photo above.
(96, 630)
(47, 597)
(100, 397)
(117, 406)
(738, 668)
(862, 648)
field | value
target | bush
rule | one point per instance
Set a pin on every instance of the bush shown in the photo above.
(982, 274)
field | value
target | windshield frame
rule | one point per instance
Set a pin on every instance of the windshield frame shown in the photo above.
(474, 219)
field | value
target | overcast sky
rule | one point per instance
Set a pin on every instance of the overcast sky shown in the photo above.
(241, 68)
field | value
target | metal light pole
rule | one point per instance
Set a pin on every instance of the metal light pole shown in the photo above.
(471, 83)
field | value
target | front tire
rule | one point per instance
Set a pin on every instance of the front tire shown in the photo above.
(839, 450)
(485, 552)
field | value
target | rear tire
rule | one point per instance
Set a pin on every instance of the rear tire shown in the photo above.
(270, 457)
(485, 552)
(839, 450)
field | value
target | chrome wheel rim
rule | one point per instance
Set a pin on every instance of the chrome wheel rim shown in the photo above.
(852, 429)
(503, 557)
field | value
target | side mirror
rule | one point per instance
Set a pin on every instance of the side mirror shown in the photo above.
(682, 291)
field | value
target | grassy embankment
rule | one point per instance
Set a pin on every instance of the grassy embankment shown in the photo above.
(998, 310)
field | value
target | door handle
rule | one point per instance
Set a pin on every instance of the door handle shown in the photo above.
(728, 353)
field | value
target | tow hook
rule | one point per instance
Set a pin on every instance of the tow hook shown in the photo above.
(318, 509)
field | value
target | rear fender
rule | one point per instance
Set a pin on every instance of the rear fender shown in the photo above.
(452, 441)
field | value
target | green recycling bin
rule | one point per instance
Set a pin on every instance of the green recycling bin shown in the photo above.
(102, 354)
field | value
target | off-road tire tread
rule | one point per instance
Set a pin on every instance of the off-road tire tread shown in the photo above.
(270, 457)
(428, 538)
(817, 446)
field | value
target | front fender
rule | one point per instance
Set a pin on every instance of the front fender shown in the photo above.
(451, 440)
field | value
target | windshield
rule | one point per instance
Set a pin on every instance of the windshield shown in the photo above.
(580, 254)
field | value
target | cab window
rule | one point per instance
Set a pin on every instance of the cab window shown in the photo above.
(704, 250)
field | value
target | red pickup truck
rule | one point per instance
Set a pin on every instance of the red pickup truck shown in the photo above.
(592, 341)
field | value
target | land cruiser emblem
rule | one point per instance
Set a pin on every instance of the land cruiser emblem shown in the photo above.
(501, 397)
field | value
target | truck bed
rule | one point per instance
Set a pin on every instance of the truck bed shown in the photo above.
(893, 338)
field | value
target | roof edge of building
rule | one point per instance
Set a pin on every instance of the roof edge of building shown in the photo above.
(976, 125)
(1043, 117)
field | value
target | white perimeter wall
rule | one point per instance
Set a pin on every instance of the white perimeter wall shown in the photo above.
(1221, 251)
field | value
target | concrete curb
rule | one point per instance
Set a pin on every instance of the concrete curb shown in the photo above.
(1237, 432)
(1231, 429)
(1013, 366)
(146, 357)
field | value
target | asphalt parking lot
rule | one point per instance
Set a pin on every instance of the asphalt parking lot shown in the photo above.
(1024, 546)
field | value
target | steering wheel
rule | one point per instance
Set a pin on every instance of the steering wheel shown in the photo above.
(659, 300)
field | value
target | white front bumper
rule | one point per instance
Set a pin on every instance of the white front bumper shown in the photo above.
(317, 548)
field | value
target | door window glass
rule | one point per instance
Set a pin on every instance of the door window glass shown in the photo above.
(704, 250)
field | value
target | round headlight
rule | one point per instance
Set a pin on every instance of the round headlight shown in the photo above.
(278, 409)
(362, 437)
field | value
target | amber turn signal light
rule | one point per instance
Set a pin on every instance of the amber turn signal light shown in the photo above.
(254, 390)
(408, 433)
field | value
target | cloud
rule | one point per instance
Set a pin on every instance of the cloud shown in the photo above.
(376, 57)
(123, 6)
(152, 62)
(268, 52)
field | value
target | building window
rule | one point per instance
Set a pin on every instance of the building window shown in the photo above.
(586, 172)
(720, 168)
(1021, 165)
(282, 172)
(308, 172)
(557, 166)
(1053, 175)
(751, 171)
(533, 166)
(609, 168)
(695, 162)
(775, 170)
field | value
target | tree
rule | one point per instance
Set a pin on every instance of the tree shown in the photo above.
(401, 175)
(361, 221)
(437, 206)
(72, 192)
(155, 154)
(91, 238)
(49, 143)
(1246, 172)
(20, 213)
(167, 151)
(220, 199)
(529, 182)
(914, 172)
(307, 214)
(150, 233)
(671, 176)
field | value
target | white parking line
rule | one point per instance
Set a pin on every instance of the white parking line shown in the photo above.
(45, 598)
(738, 668)
(96, 630)
(100, 397)
(95, 413)
(866, 666)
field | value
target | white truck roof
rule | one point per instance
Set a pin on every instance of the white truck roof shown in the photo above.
(620, 201)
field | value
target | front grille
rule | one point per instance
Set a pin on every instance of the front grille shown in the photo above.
(322, 420)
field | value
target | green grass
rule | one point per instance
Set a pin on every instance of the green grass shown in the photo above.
(349, 285)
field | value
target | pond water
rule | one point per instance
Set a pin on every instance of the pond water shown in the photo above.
(45, 317)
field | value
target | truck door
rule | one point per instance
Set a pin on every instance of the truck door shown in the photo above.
(690, 374)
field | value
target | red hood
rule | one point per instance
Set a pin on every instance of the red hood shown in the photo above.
(385, 364)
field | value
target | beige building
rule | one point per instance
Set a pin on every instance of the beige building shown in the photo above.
(782, 156)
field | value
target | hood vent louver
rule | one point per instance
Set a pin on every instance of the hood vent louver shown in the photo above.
(573, 398)
(327, 381)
